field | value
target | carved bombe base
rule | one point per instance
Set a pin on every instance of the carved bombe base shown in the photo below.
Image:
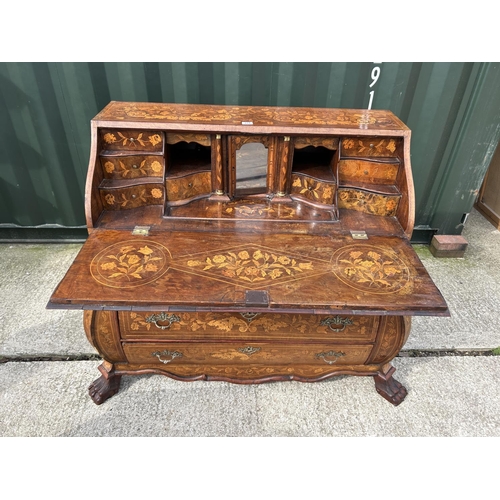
(389, 388)
(248, 245)
(256, 348)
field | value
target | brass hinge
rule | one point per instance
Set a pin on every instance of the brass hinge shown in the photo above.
(141, 230)
(359, 235)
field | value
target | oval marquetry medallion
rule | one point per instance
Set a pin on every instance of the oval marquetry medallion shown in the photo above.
(371, 269)
(129, 264)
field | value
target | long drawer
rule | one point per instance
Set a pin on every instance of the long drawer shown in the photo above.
(135, 326)
(258, 353)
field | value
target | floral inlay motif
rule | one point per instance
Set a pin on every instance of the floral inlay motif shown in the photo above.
(252, 266)
(138, 321)
(391, 146)
(130, 264)
(109, 167)
(111, 138)
(371, 269)
(372, 203)
(235, 114)
(312, 189)
(366, 147)
(131, 169)
(261, 211)
(133, 199)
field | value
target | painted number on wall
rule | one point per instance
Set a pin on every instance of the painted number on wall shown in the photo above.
(375, 75)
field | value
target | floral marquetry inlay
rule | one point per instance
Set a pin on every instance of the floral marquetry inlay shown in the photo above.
(369, 147)
(118, 199)
(312, 189)
(132, 167)
(371, 269)
(371, 203)
(131, 141)
(264, 115)
(259, 211)
(130, 264)
(252, 266)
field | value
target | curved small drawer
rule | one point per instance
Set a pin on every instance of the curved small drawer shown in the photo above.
(189, 186)
(370, 203)
(132, 167)
(371, 172)
(131, 140)
(124, 198)
(313, 189)
(370, 146)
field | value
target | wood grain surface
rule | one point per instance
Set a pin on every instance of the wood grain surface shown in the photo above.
(295, 272)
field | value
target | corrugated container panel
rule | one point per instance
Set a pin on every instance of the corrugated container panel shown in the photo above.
(452, 108)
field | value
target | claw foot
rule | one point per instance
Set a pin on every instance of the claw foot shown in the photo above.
(389, 388)
(104, 387)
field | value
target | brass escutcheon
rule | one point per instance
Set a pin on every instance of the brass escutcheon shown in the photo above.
(249, 316)
(249, 350)
(171, 318)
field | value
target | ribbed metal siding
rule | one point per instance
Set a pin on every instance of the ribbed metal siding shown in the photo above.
(453, 110)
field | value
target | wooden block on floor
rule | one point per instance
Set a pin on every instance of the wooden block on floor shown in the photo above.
(443, 245)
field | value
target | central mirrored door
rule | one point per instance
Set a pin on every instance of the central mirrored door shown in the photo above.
(251, 165)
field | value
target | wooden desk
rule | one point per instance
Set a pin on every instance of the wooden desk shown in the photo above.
(248, 244)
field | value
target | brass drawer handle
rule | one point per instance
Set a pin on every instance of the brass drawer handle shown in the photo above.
(329, 354)
(172, 354)
(336, 321)
(171, 318)
(249, 350)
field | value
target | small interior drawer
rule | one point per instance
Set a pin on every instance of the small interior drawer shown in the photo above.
(370, 146)
(313, 190)
(124, 198)
(132, 167)
(131, 140)
(371, 172)
(189, 186)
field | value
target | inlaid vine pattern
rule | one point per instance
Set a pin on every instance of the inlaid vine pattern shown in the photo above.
(130, 264)
(260, 211)
(124, 199)
(372, 203)
(132, 169)
(252, 266)
(131, 141)
(367, 147)
(372, 269)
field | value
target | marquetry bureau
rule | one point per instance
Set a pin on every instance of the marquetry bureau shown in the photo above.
(248, 244)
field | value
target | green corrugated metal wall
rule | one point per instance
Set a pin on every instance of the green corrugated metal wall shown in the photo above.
(453, 110)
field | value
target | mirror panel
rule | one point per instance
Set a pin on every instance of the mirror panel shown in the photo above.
(251, 168)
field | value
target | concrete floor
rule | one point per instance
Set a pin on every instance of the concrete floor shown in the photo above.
(448, 395)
